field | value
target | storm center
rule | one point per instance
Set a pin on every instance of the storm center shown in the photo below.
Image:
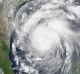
(43, 39)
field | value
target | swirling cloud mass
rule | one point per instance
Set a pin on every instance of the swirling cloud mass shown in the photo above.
(46, 37)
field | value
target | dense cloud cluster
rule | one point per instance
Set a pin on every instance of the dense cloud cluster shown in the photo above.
(46, 37)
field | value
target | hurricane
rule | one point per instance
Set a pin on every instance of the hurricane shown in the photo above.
(46, 37)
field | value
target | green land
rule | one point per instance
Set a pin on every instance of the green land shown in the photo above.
(4, 50)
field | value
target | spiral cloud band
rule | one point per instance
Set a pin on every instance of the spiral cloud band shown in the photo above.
(46, 37)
